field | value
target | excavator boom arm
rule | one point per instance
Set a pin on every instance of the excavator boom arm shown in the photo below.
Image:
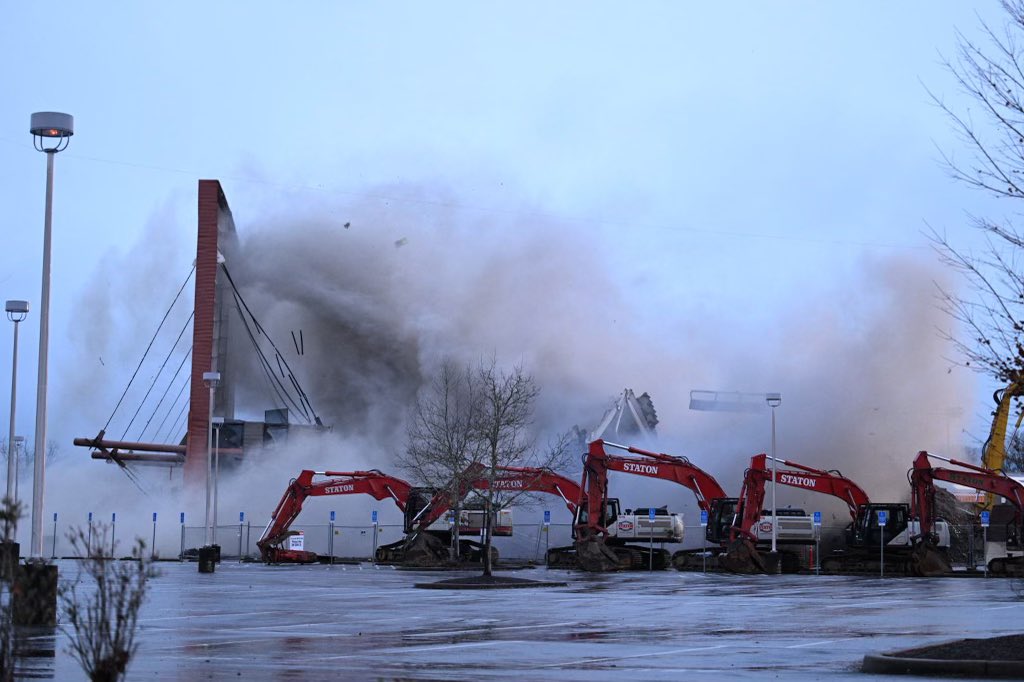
(374, 483)
(923, 476)
(594, 484)
(796, 476)
(538, 480)
(993, 452)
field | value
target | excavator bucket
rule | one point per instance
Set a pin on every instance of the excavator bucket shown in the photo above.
(928, 561)
(425, 549)
(596, 557)
(741, 556)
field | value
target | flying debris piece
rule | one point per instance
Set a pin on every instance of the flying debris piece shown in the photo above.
(296, 342)
(101, 361)
(347, 225)
(401, 242)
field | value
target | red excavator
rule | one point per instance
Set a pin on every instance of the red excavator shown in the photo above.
(1007, 533)
(601, 532)
(744, 529)
(620, 527)
(422, 507)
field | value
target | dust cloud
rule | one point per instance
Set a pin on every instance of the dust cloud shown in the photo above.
(383, 291)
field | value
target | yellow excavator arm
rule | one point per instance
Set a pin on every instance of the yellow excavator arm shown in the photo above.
(993, 452)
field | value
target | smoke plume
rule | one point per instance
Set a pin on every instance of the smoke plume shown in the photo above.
(383, 291)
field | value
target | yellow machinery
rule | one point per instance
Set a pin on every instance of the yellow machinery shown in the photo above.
(993, 452)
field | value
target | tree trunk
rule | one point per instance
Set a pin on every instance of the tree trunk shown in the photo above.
(487, 535)
(456, 515)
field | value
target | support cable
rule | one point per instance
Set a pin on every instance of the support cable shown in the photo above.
(157, 377)
(269, 340)
(172, 430)
(275, 384)
(170, 384)
(176, 297)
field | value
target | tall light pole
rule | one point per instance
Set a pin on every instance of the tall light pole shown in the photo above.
(218, 423)
(51, 133)
(211, 379)
(19, 443)
(774, 400)
(16, 312)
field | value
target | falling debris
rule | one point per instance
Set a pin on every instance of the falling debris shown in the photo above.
(347, 225)
(101, 361)
(401, 242)
(629, 416)
(296, 342)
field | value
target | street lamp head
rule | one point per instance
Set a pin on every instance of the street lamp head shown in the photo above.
(51, 130)
(773, 399)
(16, 310)
(211, 378)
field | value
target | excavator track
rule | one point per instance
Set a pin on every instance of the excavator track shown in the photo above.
(1007, 567)
(561, 557)
(595, 556)
(924, 560)
(858, 563)
(427, 550)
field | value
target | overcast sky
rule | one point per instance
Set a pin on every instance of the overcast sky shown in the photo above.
(735, 166)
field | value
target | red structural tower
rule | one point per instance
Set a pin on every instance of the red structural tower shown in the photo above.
(216, 228)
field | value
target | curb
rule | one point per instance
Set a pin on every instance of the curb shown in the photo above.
(486, 586)
(894, 664)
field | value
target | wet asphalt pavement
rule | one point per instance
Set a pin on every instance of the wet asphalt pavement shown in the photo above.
(256, 622)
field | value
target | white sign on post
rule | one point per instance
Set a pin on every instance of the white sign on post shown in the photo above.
(297, 541)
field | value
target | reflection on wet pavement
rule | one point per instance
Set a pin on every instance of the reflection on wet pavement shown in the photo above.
(255, 622)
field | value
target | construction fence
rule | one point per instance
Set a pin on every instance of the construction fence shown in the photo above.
(529, 542)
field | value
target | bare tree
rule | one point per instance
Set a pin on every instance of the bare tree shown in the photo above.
(102, 619)
(504, 429)
(10, 512)
(440, 437)
(992, 312)
(471, 419)
(25, 454)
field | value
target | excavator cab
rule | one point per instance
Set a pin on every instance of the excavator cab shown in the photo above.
(416, 506)
(720, 520)
(1003, 526)
(865, 530)
(611, 514)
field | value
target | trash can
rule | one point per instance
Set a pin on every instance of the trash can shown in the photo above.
(208, 556)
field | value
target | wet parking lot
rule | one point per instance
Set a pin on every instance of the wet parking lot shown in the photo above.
(255, 622)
